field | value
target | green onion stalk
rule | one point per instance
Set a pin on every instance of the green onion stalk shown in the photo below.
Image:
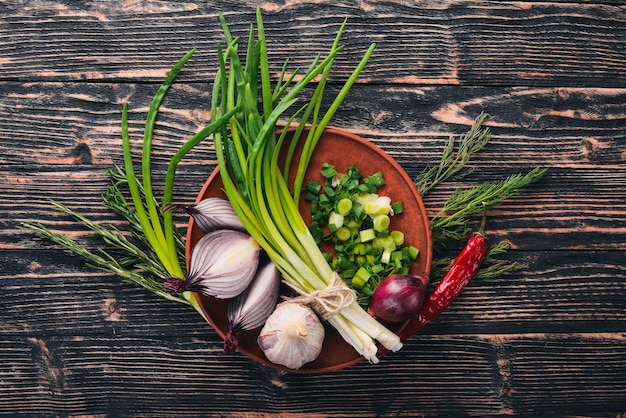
(259, 188)
(157, 251)
(158, 225)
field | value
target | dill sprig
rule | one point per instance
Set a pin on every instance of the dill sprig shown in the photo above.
(451, 221)
(117, 201)
(454, 157)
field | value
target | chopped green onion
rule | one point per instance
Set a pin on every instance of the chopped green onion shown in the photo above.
(375, 180)
(343, 234)
(413, 252)
(344, 206)
(335, 221)
(381, 223)
(397, 208)
(367, 235)
(328, 171)
(397, 237)
(361, 277)
(313, 187)
(370, 243)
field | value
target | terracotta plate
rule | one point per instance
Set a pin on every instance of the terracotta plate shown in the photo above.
(342, 150)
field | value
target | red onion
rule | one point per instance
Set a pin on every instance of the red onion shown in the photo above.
(398, 297)
(213, 213)
(251, 308)
(223, 263)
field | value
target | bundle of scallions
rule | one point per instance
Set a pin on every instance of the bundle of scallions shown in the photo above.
(257, 184)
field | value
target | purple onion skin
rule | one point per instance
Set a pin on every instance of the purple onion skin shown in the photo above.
(398, 297)
(251, 308)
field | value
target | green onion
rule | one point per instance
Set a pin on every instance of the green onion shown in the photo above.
(361, 277)
(161, 237)
(344, 206)
(370, 245)
(343, 234)
(397, 237)
(397, 208)
(261, 195)
(162, 255)
(381, 222)
(367, 235)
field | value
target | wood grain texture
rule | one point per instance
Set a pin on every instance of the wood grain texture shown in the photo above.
(559, 127)
(589, 218)
(562, 291)
(548, 340)
(426, 42)
(509, 375)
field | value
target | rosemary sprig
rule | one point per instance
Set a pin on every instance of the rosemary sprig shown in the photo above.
(136, 266)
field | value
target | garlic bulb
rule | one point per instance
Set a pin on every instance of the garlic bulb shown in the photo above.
(292, 335)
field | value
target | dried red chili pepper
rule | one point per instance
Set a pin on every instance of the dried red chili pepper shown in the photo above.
(462, 270)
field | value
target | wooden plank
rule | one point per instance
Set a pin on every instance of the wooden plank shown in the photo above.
(77, 123)
(557, 292)
(544, 341)
(426, 42)
(585, 217)
(84, 301)
(553, 127)
(527, 374)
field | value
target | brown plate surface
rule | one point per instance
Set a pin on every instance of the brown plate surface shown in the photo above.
(342, 150)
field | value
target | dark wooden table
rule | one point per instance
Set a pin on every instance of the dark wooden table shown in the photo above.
(549, 340)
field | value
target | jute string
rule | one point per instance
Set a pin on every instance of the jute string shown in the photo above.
(326, 302)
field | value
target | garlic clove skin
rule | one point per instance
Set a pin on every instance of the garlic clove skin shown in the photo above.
(292, 336)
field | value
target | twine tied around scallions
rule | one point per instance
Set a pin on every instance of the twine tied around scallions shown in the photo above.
(326, 302)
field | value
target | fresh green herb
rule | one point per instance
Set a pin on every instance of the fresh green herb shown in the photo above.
(452, 220)
(136, 265)
(455, 156)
